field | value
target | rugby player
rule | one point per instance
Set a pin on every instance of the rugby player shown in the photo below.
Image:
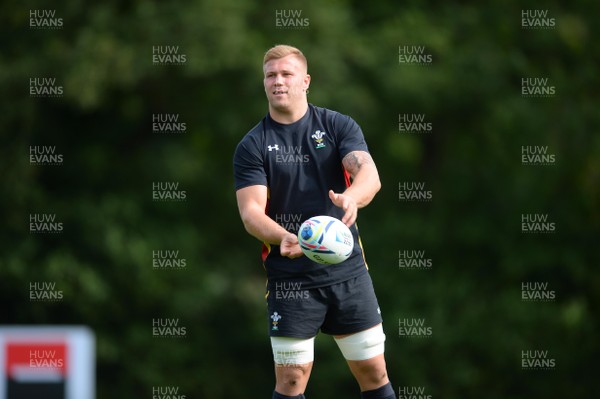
(300, 161)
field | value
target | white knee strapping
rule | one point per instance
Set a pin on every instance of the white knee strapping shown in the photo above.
(363, 345)
(288, 351)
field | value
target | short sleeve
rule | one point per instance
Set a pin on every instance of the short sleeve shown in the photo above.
(248, 167)
(349, 135)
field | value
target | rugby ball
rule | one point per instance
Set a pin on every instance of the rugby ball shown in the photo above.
(325, 240)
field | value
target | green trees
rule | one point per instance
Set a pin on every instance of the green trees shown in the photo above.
(481, 114)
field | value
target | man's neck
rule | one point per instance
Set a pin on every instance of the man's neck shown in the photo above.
(287, 118)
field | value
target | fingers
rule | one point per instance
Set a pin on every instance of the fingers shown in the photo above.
(296, 253)
(289, 247)
(291, 252)
(290, 239)
(333, 197)
(350, 215)
(347, 204)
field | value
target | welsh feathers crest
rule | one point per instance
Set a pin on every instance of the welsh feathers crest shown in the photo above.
(318, 137)
(275, 317)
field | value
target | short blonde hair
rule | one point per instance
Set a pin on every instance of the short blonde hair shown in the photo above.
(283, 50)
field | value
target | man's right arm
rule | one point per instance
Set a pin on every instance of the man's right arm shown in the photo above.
(252, 201)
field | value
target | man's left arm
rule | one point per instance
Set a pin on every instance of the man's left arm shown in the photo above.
(365, 184)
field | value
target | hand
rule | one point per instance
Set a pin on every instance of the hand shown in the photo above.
(289, 247)
(348, 204)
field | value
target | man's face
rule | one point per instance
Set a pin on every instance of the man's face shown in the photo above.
(286, 82)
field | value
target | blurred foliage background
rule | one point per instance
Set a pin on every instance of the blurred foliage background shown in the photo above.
(471, 93)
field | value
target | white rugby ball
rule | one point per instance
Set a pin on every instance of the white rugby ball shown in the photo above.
(325, 240)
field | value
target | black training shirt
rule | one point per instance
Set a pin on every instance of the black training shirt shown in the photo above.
(299, 163)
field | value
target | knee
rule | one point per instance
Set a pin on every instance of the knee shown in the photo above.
(291, 378)
(370, 374)
(374, 374)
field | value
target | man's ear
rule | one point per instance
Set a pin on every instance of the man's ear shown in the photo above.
(306, 81)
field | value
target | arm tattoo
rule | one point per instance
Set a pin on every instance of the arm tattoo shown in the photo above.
(354, 160)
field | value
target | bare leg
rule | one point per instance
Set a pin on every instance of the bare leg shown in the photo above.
(291, 379)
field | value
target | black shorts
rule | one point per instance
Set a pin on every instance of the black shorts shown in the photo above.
(338, 309)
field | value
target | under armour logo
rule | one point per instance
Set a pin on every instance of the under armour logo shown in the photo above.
(273, 147)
